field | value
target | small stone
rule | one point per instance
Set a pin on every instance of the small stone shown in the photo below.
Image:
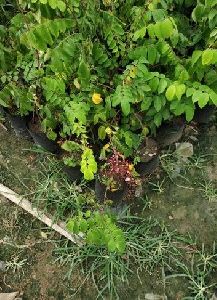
(44, 235)
(184, 150)
(151, 296)
(171, 217)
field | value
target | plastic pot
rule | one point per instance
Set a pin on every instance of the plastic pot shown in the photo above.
(42, 140)
(2, 111)
(102, 194)
(73, 173)
(19, 124)
(169, 134)
(147, 168)
(204, 115)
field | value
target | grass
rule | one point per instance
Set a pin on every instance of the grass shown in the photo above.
(209, 190)
(158, 186)
(55, 194)
(149, 246)
(198, 272)
(15, 264)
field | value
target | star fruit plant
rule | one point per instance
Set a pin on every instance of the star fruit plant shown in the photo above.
(85, 66)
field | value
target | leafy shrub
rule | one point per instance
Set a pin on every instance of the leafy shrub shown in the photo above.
(83, 66)
(99, 229)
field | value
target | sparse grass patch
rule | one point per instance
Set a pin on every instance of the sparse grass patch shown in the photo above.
(149, 245)
(198, 271)
(208, 190)
(55, 194)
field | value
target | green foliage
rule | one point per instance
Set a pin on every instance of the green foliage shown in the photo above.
(22, 98)
(88, 164)
(54, 4)
(99, 229)
(146, 61)
(40, 36)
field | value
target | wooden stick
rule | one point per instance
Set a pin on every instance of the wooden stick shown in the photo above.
(27, 206)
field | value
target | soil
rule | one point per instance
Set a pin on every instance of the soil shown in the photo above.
(183, 204)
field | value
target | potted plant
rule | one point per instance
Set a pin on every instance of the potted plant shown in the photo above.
(71, 158)
(116, 179)
(18, 104)
(78, 160)
(46, 141)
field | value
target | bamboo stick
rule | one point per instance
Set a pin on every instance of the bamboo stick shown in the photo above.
(27, 206)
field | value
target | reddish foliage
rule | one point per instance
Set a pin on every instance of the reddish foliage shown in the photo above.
(119, 170)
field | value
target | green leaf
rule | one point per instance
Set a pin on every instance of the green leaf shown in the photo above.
(125, 106)
(154, 83)
(157, 103)
(195, 56)
(61, 5)
(166, 29)
(198, 12)
(123, 96)
(213, 97)
(84, 74)
(102, 132)
(139, 34)
(202, 101)
(146, 103)
(151, 30)
(112, 245)
(165, 114)
(210, 3)
(83, 225)
(88, 164)
(180, 90)
(170, 92)
(162, 85)
(152, 54)
(190, 92)
(70, 225)
(71, 146)
(201, 98)
(207, 57)
(53, 3)
(51, 135)
(196, 96)
(189, 112)
(158, 119)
